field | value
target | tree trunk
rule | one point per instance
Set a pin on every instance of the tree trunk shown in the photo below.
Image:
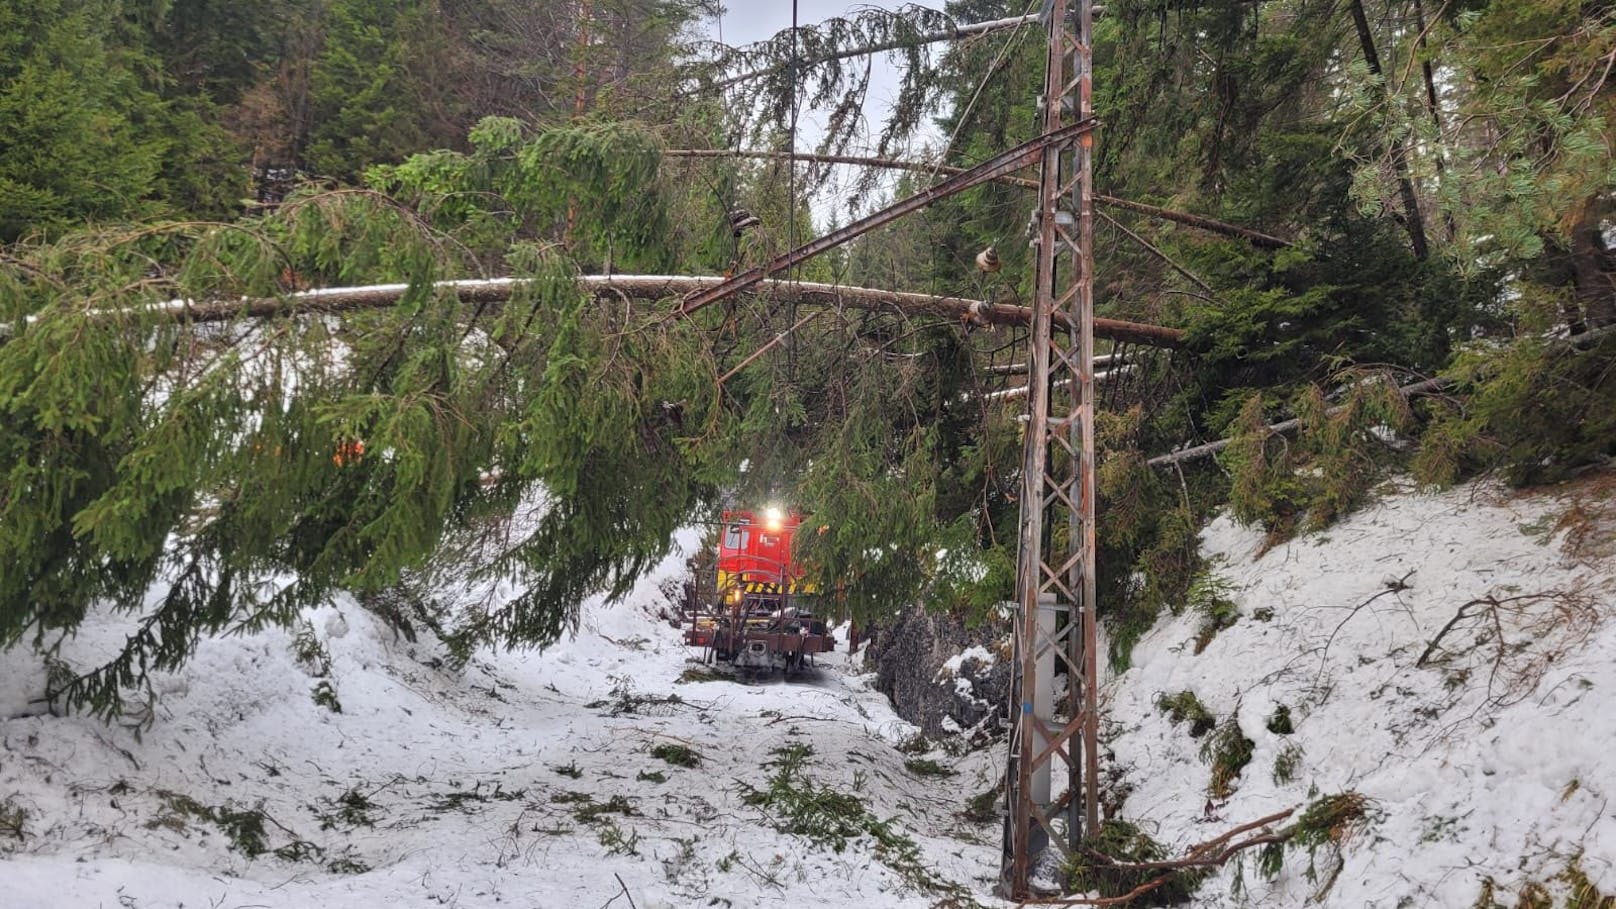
(1399, 149)
(639, 287)
(1435, 109)
(1593, 266)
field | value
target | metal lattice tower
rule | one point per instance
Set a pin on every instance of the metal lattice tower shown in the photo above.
(1055, 596)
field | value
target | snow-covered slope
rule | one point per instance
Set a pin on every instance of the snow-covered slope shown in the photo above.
(1491, 755)
(528, 779)
(525, 780)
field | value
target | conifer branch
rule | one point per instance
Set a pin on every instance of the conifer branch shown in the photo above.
(954, 33)
(1422, 388)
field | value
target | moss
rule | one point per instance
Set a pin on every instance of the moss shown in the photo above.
(1279, 722)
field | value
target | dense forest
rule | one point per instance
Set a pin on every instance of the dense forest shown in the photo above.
(1383, 192)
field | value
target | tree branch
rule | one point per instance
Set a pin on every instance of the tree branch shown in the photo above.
(1417, 389)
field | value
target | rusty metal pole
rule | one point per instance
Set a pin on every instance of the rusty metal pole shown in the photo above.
(1055, 571)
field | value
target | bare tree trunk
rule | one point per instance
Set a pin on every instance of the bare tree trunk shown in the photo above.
(1399, 149)
(1435, 109)
(640, 287)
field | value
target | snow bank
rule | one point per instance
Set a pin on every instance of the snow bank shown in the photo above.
(440, 788)
(1482, 759)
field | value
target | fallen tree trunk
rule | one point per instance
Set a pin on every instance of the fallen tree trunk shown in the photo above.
(644, 287)
(1200, 222)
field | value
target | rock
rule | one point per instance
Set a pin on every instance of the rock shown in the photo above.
(939, 674)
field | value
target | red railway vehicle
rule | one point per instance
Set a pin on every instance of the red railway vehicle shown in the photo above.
(758, 614)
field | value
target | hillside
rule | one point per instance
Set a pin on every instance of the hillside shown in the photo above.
(1487, 756)
(554, 778)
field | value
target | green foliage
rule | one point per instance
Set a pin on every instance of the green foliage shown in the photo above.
(985, 807)
(1209, 596)
(77, 136)
(1100, 866)
(1228, 751)
(13, 818)
(1286, 763)
(797, 805)
(1327, 471)
(599, 179)
(325, 695)
(243, 827)
(1533, 411)
(1185, 706)
(1279, 722)
(676, 754)
(1325, 823)
(591, 811)
(1149, 537)
(927, 767)
(613, 839)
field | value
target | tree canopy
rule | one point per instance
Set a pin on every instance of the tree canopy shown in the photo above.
(1443, 178)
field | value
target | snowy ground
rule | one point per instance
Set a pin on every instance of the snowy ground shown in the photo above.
(1484, 762)
(495, 786)
(488, 787)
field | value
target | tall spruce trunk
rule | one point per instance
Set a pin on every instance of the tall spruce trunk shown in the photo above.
(1412, 218)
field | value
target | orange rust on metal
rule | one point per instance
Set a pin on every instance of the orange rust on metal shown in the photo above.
(1057, 476)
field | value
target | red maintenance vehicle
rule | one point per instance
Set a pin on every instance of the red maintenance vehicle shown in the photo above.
(757, 614)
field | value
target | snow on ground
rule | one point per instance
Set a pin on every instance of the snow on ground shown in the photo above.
(1495, 758)
(490, 786)
(495, 785)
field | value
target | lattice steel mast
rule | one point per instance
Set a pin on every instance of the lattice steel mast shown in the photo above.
(1055, 595)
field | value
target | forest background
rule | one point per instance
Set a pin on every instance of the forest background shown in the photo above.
(1430, 186)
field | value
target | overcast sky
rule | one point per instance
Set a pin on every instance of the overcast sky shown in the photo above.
(746, 21)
